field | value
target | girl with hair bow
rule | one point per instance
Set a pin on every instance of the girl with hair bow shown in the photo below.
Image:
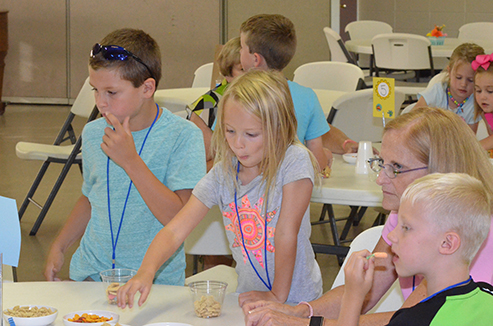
(455, 91)
(483, 89)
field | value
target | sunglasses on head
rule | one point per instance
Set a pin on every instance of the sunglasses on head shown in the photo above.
(115, 52)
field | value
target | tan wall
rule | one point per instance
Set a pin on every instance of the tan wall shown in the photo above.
(420, 16)
(36, 67)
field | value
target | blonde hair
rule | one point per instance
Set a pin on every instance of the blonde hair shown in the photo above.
(272, 36)
(463, 54)
(229, 56)
(454, 202)
(441, 140)
(478, 112)
(266, 95)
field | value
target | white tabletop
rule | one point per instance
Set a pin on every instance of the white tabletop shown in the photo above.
(176, 99)
(164, 304)
(345, 187)
(363, 46)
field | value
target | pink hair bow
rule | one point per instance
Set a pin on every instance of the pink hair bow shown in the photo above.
(482, 60)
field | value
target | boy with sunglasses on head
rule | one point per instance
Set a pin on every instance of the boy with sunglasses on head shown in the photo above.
(138, 160)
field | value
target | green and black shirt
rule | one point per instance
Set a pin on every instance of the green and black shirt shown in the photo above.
(471, 304)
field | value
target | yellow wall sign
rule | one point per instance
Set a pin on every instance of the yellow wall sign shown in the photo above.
(383, 97)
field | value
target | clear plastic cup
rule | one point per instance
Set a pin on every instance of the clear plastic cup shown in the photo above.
(207, 297)
(113, 279)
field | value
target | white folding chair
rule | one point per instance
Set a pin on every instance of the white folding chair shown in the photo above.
(84, 106)
(337, 76)
(408, 108)
(338, 51)
(402, 52)
(353, 114)
(203, 76)
(366, 30)
(209, 238)
(482, 132)
(476, 31)
(393, 299)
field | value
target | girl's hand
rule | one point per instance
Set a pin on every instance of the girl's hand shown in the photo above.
(141, 282)
(358, 273)
(118, 144)
(253, 296)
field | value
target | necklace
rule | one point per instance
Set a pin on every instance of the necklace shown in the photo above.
(114, 241)
(448, 288)
(459, 105)
(268, 283)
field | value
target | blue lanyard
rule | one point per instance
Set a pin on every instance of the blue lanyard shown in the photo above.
(268, 283)
(114, 241)
(448, 288)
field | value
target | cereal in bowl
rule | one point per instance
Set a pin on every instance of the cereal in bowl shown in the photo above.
(27, 311)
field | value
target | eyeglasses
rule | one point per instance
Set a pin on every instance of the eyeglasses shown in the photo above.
(376, 164)
(115, 52)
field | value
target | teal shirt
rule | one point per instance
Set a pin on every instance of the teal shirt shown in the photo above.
(309, 114)
(174, 152)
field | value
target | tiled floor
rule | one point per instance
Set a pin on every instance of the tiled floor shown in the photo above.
(40, 123)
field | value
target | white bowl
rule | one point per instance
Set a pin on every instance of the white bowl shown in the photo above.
(32, 321)
(104, 313)
(350, 157)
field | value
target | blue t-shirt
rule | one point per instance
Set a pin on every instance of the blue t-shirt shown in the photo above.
(174, 152)
(436, 96)
(309, 113)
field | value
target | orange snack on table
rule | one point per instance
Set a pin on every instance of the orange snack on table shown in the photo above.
(86, 318)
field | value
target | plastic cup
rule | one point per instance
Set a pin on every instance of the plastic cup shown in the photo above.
(207, 297)
(113, 279)
(365, 151)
